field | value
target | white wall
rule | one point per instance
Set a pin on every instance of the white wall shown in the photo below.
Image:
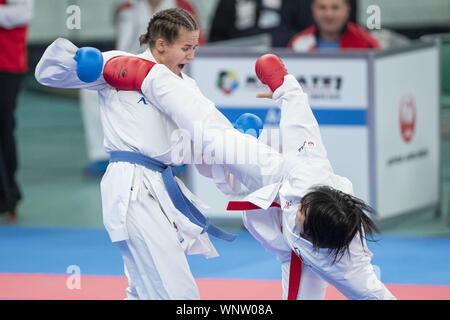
(49, 21)
(97, 16)
(406, 13)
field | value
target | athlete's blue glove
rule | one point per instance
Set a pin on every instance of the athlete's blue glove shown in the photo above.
(249, 123)
(89, 64)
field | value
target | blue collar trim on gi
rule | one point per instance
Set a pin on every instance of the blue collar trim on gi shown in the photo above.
(178, 198)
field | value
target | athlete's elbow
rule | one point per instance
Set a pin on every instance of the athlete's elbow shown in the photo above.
(45, 77)
(40, 76)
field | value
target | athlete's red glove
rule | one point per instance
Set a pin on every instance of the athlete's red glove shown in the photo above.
(270, 70)
(126, 72)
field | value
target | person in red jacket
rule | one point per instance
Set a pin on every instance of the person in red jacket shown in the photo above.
(14, 18)
(332, 29)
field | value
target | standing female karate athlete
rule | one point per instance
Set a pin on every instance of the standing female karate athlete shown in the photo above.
(302, 211)
(144, 212)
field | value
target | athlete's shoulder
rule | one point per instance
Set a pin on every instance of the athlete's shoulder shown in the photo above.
(190, 81)
(342, 183)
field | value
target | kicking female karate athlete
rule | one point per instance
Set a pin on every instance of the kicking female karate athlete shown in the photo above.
(301, 210)
(153, 222)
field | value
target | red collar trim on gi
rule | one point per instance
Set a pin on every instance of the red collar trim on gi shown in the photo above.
(246, 205)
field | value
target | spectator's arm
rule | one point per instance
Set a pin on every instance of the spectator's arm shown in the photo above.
(16, 13)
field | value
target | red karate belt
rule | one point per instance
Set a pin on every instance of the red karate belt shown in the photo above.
(295, 270)
(295, 273)
(246, 205)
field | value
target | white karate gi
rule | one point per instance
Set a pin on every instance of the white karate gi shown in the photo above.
(274, 177)
(285, 179)
(306, 165)
(138, 214)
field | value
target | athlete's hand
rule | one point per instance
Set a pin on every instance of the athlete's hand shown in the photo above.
(267, 95)
(270, 70)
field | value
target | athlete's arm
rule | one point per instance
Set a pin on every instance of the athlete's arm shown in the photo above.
(58, 67)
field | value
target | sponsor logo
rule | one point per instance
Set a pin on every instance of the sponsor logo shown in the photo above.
(302, 147)
(407, 126)
(288, 204)
(227, 81)
(253, 83)
(306, 144)
(407, 118)
(142, 99)
(327, 87)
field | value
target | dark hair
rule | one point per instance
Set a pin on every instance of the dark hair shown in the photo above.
(333, 218)
(166, 24)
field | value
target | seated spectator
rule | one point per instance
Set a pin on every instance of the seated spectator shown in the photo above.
(332, 29)
(281, 19)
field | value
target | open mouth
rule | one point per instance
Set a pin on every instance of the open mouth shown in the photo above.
(181, 66)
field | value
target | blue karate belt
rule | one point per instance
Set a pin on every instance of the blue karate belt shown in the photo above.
(178, 198)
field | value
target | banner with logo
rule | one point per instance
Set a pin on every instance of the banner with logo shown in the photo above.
(338, 93)
(407, 131)
(332, 83)
(378, 116)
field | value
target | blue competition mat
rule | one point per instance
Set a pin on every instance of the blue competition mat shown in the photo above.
(400, 259)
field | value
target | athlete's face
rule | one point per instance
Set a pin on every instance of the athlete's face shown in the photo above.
(179, 53)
